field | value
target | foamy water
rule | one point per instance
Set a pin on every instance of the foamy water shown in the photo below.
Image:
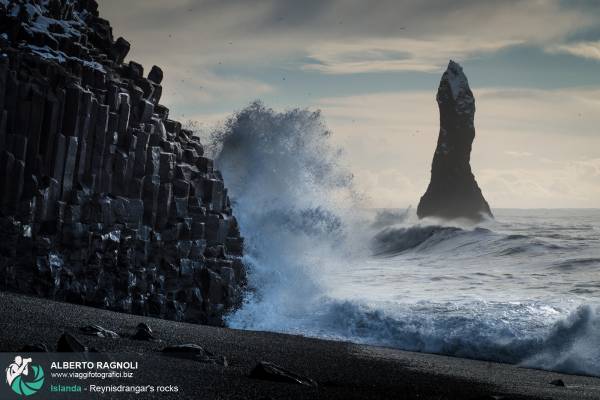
(523, 288)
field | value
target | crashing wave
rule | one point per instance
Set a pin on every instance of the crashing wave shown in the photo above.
(302, 220)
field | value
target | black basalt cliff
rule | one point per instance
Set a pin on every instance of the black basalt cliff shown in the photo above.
(453, 192)
(104, 200)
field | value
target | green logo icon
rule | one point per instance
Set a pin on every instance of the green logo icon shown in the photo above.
(23, 377)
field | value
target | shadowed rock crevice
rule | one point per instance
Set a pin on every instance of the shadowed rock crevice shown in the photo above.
(453, 192)
(104, 200)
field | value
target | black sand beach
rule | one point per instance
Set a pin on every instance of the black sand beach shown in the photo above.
(341, 370)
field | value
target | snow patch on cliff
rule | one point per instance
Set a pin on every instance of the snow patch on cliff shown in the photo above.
(456, 79)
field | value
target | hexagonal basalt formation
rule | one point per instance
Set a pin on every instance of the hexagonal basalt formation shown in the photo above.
(105, 201)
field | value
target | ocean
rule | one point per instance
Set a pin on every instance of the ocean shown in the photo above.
(522, 288)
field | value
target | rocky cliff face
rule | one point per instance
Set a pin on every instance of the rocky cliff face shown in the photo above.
(453, 191)
(104, 200)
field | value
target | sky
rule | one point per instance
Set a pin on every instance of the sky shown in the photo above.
(373, 68)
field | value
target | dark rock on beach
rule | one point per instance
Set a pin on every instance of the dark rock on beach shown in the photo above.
(143, 332)
(104, 200)
(273, 372)
(453, 192)
(195, 352)
(97, 330)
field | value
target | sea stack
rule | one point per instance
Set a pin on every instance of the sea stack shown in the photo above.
(453, 192)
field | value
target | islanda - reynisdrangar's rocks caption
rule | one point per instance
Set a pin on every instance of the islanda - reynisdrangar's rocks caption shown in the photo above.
(105, 201)
(453, 192)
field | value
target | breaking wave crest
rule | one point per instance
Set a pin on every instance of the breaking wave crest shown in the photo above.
(305, 224)
(395, 240)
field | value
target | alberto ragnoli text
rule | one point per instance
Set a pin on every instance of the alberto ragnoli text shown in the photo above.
(79, 365)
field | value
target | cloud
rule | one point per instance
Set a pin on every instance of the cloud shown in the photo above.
(342, 36)
(197, 85)
(215, 55)
(355, 17)
(396, 54)
(212, 51)
(563, 184)
(585, 49)
(388, 188)
(514, 153)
